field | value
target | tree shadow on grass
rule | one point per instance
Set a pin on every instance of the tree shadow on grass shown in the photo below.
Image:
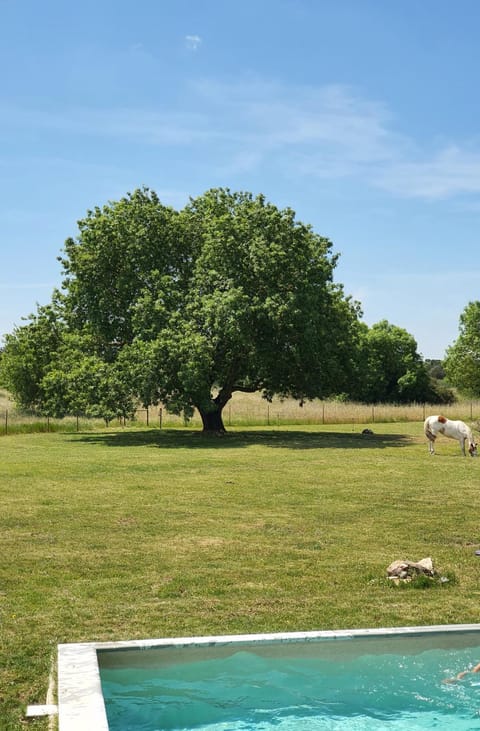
(187, 439)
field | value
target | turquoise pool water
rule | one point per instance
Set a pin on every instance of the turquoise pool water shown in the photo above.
(348, 685)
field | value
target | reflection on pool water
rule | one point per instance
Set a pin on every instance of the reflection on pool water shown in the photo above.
(351, 684)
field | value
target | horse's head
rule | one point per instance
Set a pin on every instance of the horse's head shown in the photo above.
(472, 448)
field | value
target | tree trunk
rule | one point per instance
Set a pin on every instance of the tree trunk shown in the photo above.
(212, 421)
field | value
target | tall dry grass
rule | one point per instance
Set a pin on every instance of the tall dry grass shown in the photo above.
(252, 409)
(247, 410)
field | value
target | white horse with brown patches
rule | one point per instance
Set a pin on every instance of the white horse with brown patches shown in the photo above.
(435, 425)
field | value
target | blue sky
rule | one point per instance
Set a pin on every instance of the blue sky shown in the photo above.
(361, 115)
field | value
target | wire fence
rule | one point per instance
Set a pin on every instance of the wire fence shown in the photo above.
(247, 410)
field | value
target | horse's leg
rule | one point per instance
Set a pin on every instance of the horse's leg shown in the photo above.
(462, 446)
(431, 448)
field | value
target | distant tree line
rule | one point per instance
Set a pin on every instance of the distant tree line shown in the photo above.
(186, 307)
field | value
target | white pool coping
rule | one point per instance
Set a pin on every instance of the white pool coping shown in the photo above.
(80, 700)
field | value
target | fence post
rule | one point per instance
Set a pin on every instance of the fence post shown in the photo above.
(268, 414)
(323, 413)
(373, 413)
(160, 414)
(77, 423)
(148, 424)
(48, 424)
(6, 421)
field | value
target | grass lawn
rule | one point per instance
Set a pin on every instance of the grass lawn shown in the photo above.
(134, 534)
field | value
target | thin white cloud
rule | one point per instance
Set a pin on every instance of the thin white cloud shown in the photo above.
(141, 125)
(193, 42)
(451, 171)
(333, 132)
(326, 132)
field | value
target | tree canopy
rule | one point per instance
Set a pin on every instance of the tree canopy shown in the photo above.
(462, 361)
(27, 355)
(392, 369)
(186, 307)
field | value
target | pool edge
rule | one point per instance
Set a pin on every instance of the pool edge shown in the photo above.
(80, 699)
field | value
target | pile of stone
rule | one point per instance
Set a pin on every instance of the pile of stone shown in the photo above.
(408, 570)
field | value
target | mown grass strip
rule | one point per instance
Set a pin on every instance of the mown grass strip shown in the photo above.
(141, 533)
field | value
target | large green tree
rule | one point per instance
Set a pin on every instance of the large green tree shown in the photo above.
(228, 294)
(462, 360)
(392, 369)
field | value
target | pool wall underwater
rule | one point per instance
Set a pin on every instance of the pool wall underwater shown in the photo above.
(80, 699)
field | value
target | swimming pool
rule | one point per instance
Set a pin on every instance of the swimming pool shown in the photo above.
(350, 680)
